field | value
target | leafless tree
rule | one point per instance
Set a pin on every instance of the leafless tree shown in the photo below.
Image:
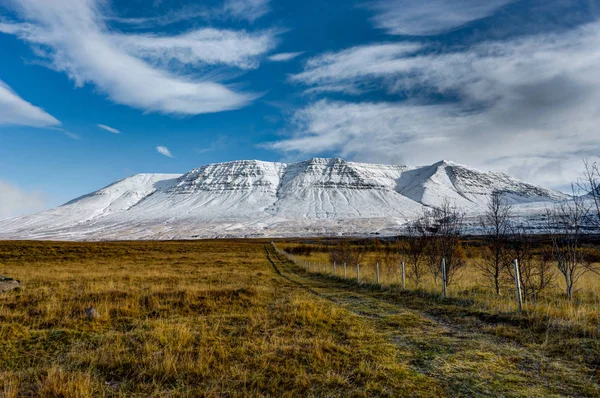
(496, 226)
(566, 223)
(589, 185)
(390, 262)
(345, 252)
(424, 228)
(442, 228)
(535, 269)
(537, 277)
(415, 253)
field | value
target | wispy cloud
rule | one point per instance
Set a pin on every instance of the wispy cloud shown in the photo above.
(527, 106)
(163, 150)
(283, 57)
(15, 201)
(109, 129)
(200, 47)
(14, 110)
(133, 70)
(68, 133)
(355, 69)
(219, 143)
(409, 17)
(250, 10)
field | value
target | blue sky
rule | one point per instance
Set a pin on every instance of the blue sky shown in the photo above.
(92, 91)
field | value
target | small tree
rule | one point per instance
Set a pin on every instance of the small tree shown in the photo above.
(442, 228)
(390, 261)
(535, 269)
(537, 277)
(589, 185)
(424, 229)
(345, 252)
(566, 222)
(415, 253)
(496, 224)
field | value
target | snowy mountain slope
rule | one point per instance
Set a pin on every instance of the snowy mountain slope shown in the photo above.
(118, 197)
(466, 187)
(254, 198)
(333, 188)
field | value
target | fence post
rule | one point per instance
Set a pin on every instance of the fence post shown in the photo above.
(319, 267)
(377, 272)
(345, 273)
(358, 273)
(334, 273)
(444, 277)
(518, 285)
(403, 277)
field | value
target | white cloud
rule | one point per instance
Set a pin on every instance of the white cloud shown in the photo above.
(283, 57)
(250, 10)
(529, 107)
(428, 17)
(163, 150)
(109, 129)
(14, 110)
(353, 70)
(200, 47)
(134, 70)
(15, 202)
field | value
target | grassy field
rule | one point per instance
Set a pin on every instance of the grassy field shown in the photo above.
(233, 318)
(550, 311)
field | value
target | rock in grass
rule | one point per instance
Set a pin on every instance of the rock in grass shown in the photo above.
(92, 314)
(8, 284)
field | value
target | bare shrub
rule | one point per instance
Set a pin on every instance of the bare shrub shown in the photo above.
(566, 223)
(441, 227)
(345, 252)
(415, 254)
(496, 225)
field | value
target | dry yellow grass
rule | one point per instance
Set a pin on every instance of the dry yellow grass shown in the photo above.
(182, 319)
(232, 318)
(582, 315)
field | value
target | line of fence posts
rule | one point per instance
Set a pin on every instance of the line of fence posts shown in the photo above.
(307, 265)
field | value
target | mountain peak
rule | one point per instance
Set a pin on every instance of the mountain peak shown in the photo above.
(443, 163)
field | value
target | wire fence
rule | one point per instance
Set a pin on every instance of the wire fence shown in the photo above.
(366, 274)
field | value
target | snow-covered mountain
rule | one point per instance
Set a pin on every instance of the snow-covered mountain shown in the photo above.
(254, 198)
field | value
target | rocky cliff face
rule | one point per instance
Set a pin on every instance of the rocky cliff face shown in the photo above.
(254, 198)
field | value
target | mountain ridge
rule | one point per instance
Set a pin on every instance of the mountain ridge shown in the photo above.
(319, 196)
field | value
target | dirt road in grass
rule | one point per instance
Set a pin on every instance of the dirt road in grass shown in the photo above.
(467, 356)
